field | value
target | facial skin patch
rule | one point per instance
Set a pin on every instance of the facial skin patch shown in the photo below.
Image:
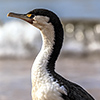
(29, 15)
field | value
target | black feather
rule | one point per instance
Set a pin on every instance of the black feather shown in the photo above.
(65, 97)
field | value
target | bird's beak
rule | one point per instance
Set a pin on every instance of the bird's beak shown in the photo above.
(24, 17)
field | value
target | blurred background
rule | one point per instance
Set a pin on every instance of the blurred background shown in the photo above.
(21, 42)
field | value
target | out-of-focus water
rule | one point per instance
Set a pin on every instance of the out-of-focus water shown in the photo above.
(18, 39)
(21, 39)
(15, 83)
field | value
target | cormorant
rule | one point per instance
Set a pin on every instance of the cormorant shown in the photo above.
(46, 83)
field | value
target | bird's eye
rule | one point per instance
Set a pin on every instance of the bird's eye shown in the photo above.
(30, 15)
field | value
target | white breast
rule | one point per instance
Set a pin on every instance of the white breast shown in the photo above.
(44, 88)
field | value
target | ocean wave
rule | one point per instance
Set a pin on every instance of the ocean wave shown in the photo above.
(19, 39)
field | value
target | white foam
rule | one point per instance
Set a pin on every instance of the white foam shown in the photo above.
(18, 39)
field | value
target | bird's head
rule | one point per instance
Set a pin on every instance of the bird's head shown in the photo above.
(50, 27)
(39, 18)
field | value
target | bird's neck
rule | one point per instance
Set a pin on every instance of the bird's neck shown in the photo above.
(52, 43)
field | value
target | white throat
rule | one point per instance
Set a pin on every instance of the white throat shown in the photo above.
(39, 65)
(47, 46)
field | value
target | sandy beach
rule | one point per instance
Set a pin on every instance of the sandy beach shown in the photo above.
(15, 79)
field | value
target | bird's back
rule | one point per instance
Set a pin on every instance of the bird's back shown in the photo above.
(74, 91)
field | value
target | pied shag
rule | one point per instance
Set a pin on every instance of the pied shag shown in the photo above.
(46, 83)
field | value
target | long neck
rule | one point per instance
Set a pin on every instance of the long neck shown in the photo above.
(58, 40)
(52, 43)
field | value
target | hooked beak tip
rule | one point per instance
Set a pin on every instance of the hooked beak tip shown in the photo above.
(9, 14)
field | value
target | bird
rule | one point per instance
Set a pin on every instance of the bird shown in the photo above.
(47, 84)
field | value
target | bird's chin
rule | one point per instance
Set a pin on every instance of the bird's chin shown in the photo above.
(29, 21)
